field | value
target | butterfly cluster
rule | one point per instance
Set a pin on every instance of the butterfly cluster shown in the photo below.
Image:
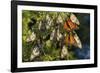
(50, 35)
(70, 26)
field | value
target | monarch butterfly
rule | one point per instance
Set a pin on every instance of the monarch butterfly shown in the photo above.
(40, 25)
(48, 21)
(59, 35)
(64, 52)
(59, 19)
(32, 37)
(35, 53)
(74, 19)
(70, 26)
(52, 34)
(72, 23)
(73, 39)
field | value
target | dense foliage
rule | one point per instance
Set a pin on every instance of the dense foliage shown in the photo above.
(45, 36)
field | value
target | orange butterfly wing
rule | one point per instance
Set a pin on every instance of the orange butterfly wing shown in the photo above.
(67, 39)
(72, 25)
(66, 27)
(70, 40)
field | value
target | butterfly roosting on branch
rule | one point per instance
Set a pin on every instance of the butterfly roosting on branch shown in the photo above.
(70, 26)
(71, 23)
